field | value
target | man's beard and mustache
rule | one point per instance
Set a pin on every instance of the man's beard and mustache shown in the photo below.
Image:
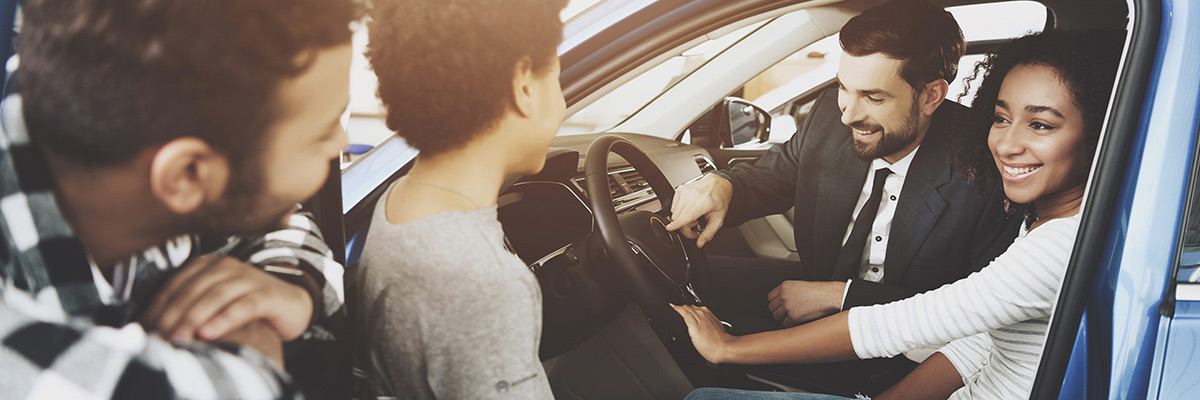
(245, 209)
(888, 142)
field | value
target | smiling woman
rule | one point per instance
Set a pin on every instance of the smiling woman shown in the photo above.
(1037, 111)
(1037, 136)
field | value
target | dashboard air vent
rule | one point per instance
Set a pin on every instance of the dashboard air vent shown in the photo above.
(705, 165)
(630, 180)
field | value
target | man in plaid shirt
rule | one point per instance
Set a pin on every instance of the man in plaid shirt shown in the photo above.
(150, 168)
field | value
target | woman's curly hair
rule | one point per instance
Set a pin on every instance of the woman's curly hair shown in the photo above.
(1086, 61)
(445, 67)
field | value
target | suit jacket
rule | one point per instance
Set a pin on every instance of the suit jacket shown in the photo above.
(943, 229)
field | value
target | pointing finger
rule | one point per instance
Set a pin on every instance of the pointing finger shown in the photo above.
(709, 232)
(685, 217)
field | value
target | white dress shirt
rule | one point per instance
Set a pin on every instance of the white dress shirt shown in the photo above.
(871, 267)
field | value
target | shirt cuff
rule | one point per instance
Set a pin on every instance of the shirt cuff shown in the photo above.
(846, 291)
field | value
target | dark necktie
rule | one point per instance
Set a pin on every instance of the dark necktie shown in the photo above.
(850, 259)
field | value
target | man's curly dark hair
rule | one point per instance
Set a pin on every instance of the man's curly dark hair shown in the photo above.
(446, 67)
(1086, 61)
(104, 80)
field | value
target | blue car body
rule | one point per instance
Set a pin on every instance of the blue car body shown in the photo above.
(1136, 339)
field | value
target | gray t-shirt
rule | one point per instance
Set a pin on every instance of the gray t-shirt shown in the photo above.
(444, 311)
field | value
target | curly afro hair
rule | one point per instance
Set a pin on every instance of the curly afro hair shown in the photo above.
(445, 67)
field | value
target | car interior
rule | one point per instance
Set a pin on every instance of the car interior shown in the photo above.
(727, 80)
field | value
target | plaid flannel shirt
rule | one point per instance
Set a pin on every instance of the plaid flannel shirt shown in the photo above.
(66, 332)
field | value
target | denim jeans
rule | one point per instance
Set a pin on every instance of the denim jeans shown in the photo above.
(727, 394)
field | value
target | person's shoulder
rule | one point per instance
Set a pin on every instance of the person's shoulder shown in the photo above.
(420, 253)
(825, 107)
(1053, 240)
(403, 255)
(823, 125)
(949, 117)
(1059, 228)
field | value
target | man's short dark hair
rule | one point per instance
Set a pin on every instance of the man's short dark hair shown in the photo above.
(445, 67)
(925, 37)
(103, 80)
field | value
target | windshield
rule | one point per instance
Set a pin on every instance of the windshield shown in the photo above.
(805, 69)
(622, 102)
(585, 18)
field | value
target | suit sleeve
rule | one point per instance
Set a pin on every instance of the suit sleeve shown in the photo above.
(767, 186)
(55, 360)
(994, 232)
(865, 293)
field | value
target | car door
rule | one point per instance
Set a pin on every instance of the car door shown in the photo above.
(1179, 315)
(1125, 322)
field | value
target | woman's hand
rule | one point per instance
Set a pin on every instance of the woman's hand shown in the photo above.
(708, 335)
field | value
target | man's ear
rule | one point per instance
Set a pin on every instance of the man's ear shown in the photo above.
(523, 90)
(186, 172)
(935, 94)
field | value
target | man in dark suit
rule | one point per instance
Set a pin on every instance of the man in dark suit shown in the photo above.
(880, 211)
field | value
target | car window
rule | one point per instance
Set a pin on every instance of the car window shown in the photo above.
(616, 106)
(1189, 257)
(364, 121)
(577, 7)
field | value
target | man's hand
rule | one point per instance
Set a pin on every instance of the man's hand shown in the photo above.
(259, 336)
(708, 335)
(209, 298)
(797, 302)
(707, 197)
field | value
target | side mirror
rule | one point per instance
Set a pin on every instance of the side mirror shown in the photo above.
(743, 123)
(730, 123)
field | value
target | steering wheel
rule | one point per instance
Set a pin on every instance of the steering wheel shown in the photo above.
(654, 262)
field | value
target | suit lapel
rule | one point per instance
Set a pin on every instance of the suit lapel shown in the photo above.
(920, 203)
(838, 188)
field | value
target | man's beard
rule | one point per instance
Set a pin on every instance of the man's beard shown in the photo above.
(244, 209)
(889, 142)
